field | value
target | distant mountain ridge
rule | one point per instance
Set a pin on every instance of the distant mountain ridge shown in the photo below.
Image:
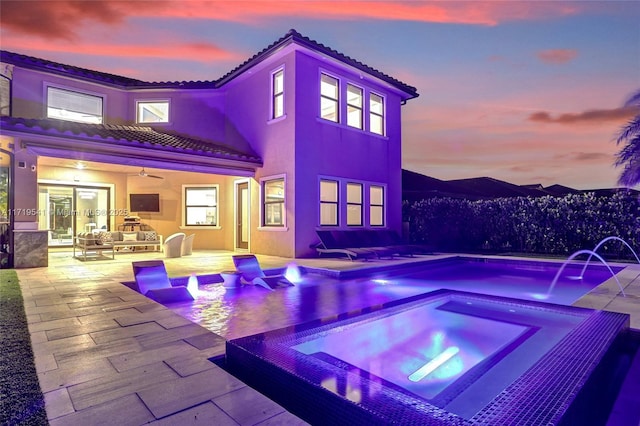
(416, 186)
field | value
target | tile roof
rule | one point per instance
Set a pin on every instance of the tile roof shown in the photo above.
(130, 136)
(292, 36)
(58, 68)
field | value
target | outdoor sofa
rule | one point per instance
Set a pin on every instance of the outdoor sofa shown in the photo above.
(98, 242)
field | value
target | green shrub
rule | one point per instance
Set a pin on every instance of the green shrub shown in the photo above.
(544, 225)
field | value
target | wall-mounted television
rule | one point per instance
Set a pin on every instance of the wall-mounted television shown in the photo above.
(144, 202)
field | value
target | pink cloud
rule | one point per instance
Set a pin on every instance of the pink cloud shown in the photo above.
(192, 51)
(58, 19)
(61, 19)
(557, 56)
(591, 116)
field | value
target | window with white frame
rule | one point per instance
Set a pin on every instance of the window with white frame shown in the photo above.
(354, 204)
(273, 194)
(376, 205)
(152, 111)
(74, 106)
(354, 106)
(277, 90)
(328, 202)
(201, 205)
(329, 98)
(376, 114)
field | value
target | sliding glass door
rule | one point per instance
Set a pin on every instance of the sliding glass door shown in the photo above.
(68, 210)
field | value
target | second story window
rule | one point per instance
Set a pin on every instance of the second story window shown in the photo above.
(74, 106)
(376, 114)
(329, 98)
(152, 112)
(354, 106)
(277, 89)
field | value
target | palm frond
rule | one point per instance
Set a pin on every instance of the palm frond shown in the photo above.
(630, 175)
(629, 155)
(631, 128)
(634, 100)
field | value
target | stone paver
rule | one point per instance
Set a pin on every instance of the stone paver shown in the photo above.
(107, 355)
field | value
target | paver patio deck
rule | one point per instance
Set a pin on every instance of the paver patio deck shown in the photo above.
(105, 354)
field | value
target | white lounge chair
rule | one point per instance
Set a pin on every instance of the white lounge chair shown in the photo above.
(249, 268)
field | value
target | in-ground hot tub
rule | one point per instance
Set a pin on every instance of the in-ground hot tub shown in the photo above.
(441, 358)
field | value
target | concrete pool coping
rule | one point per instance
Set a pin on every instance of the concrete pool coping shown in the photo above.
(104, 352)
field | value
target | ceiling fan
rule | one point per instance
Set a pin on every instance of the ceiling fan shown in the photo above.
(143, 173)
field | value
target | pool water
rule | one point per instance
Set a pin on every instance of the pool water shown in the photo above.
(530, 280)
(247, 310)
(426, 347)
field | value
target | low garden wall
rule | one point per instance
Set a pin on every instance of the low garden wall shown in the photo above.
(544, 225)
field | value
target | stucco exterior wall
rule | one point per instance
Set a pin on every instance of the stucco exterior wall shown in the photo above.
(327, 149)
(248, 108)
(29, 95)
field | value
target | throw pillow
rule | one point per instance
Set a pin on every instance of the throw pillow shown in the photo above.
(128, 237)
(150, 236)
(104, 237)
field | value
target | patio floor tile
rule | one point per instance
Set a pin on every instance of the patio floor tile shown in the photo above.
(192, 390)
(247, 406)
(204, 414)
(132, 360)
(73, 374)
(57, 403)
(128, 410)
(116, 385)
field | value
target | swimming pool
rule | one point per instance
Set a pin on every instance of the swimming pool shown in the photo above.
(240, 312)
(445, 357)
(524, 279)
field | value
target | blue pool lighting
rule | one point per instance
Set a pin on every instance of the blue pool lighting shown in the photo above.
(192, 285)
(434, 364)
(292, 273)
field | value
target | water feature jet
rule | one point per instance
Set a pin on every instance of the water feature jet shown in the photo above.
(591, 254)
(600, 244)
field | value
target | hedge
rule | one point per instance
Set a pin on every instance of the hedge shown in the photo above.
(544, 225)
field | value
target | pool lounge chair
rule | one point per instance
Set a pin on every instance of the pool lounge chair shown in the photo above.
(329, 245)
(392, 239)
(152, 281)
(361, 240)
(251, 272)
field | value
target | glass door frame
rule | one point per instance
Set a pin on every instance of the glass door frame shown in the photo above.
(87, 216)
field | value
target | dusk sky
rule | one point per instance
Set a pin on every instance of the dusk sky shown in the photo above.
(527, 92)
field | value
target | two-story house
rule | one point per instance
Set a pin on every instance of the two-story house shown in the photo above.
(297, 138)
